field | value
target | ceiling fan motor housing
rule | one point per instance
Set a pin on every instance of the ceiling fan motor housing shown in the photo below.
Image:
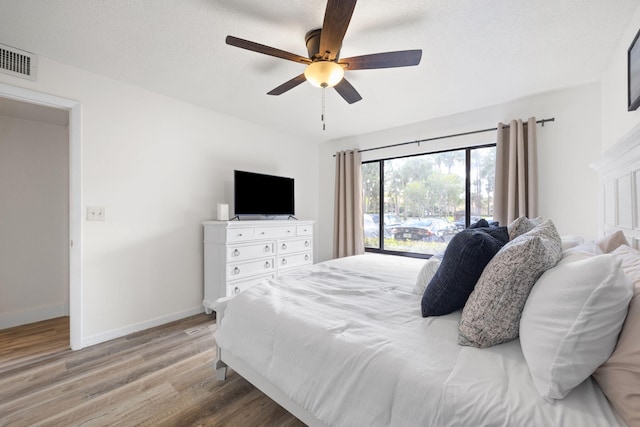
(312, 40)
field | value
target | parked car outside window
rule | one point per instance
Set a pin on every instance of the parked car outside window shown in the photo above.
(429, 229)
(460, 223)
(372, 225)
(371, 229)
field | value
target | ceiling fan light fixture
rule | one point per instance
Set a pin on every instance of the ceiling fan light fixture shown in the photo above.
(324, 73)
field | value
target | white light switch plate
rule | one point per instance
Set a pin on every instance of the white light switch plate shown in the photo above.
(95, 213)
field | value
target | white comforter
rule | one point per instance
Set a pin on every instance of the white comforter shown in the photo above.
(345, 340)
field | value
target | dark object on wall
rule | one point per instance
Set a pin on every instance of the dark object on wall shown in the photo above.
(633, 74)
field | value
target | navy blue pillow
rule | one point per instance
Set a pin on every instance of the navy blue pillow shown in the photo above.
(481, 223)
(466, 256)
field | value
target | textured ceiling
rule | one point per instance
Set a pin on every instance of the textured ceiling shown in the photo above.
(475, 53)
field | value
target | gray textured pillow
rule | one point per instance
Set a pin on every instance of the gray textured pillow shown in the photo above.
(522, 225)
(492, 313)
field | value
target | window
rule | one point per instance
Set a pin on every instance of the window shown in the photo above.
(414, 205)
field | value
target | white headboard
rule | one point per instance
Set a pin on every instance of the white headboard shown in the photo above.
(619, 171)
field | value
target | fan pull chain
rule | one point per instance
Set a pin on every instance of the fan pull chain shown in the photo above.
(322, 115)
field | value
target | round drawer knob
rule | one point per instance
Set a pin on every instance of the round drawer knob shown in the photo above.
(236, 270)
(306, 243)
(284, 261)
(306, 257)
(284, 246)
(267, 248)
(267, 264)
(236, 252)
(236, 290)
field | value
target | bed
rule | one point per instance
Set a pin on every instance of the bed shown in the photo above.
(343, 342)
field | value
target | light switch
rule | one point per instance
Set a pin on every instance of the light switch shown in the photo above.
(95, 213)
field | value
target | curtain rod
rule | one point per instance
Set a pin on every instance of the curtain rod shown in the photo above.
(542, 122)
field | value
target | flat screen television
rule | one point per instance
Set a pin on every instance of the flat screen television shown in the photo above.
(259, 194)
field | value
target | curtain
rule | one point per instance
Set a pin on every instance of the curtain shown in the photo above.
(516, 189)
(348, 228)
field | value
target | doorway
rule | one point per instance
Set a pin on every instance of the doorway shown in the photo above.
(32, 98)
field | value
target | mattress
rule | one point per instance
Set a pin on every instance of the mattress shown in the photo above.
(345, 340)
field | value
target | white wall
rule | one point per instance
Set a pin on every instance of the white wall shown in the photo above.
(34, 224)
(616, 120)
(159, 166)
(566, 147)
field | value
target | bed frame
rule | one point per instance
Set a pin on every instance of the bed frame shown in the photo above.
(619, 171)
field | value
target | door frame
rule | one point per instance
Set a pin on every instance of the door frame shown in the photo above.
(75, 197)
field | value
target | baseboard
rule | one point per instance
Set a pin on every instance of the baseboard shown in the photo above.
(33, 314)
(137, 327)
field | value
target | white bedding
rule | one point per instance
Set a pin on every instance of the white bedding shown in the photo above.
(346, 341)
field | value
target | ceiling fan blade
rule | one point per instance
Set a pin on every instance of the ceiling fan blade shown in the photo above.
(336, 21)
(288, 85)
(402, 58)
(348, 92)
(267, 50)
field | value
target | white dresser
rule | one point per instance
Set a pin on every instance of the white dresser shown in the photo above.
(240, 254)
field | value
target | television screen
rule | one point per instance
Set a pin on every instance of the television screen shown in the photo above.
(258, 194)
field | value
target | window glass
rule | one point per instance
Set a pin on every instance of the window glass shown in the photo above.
(371, 204)
(483, 170)
(425, 198)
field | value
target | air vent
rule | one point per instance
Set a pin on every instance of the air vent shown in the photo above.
(17, 62)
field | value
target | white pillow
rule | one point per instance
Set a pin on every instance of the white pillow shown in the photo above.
(630, 259)
(571, 321)
(589, 248)
(571, 241)
(426, 273)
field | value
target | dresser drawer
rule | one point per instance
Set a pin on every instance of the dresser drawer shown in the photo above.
(240, 270)
(293, 245)
(240, 234)
(235, 287)
(273, 232)
(304, 230)
(294, 260)
(244, 252)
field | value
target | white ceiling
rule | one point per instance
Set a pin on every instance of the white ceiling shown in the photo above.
(475, 52)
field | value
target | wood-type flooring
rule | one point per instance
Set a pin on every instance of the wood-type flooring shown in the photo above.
(163, 376)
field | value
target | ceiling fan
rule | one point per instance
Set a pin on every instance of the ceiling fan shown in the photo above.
(325, 68)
